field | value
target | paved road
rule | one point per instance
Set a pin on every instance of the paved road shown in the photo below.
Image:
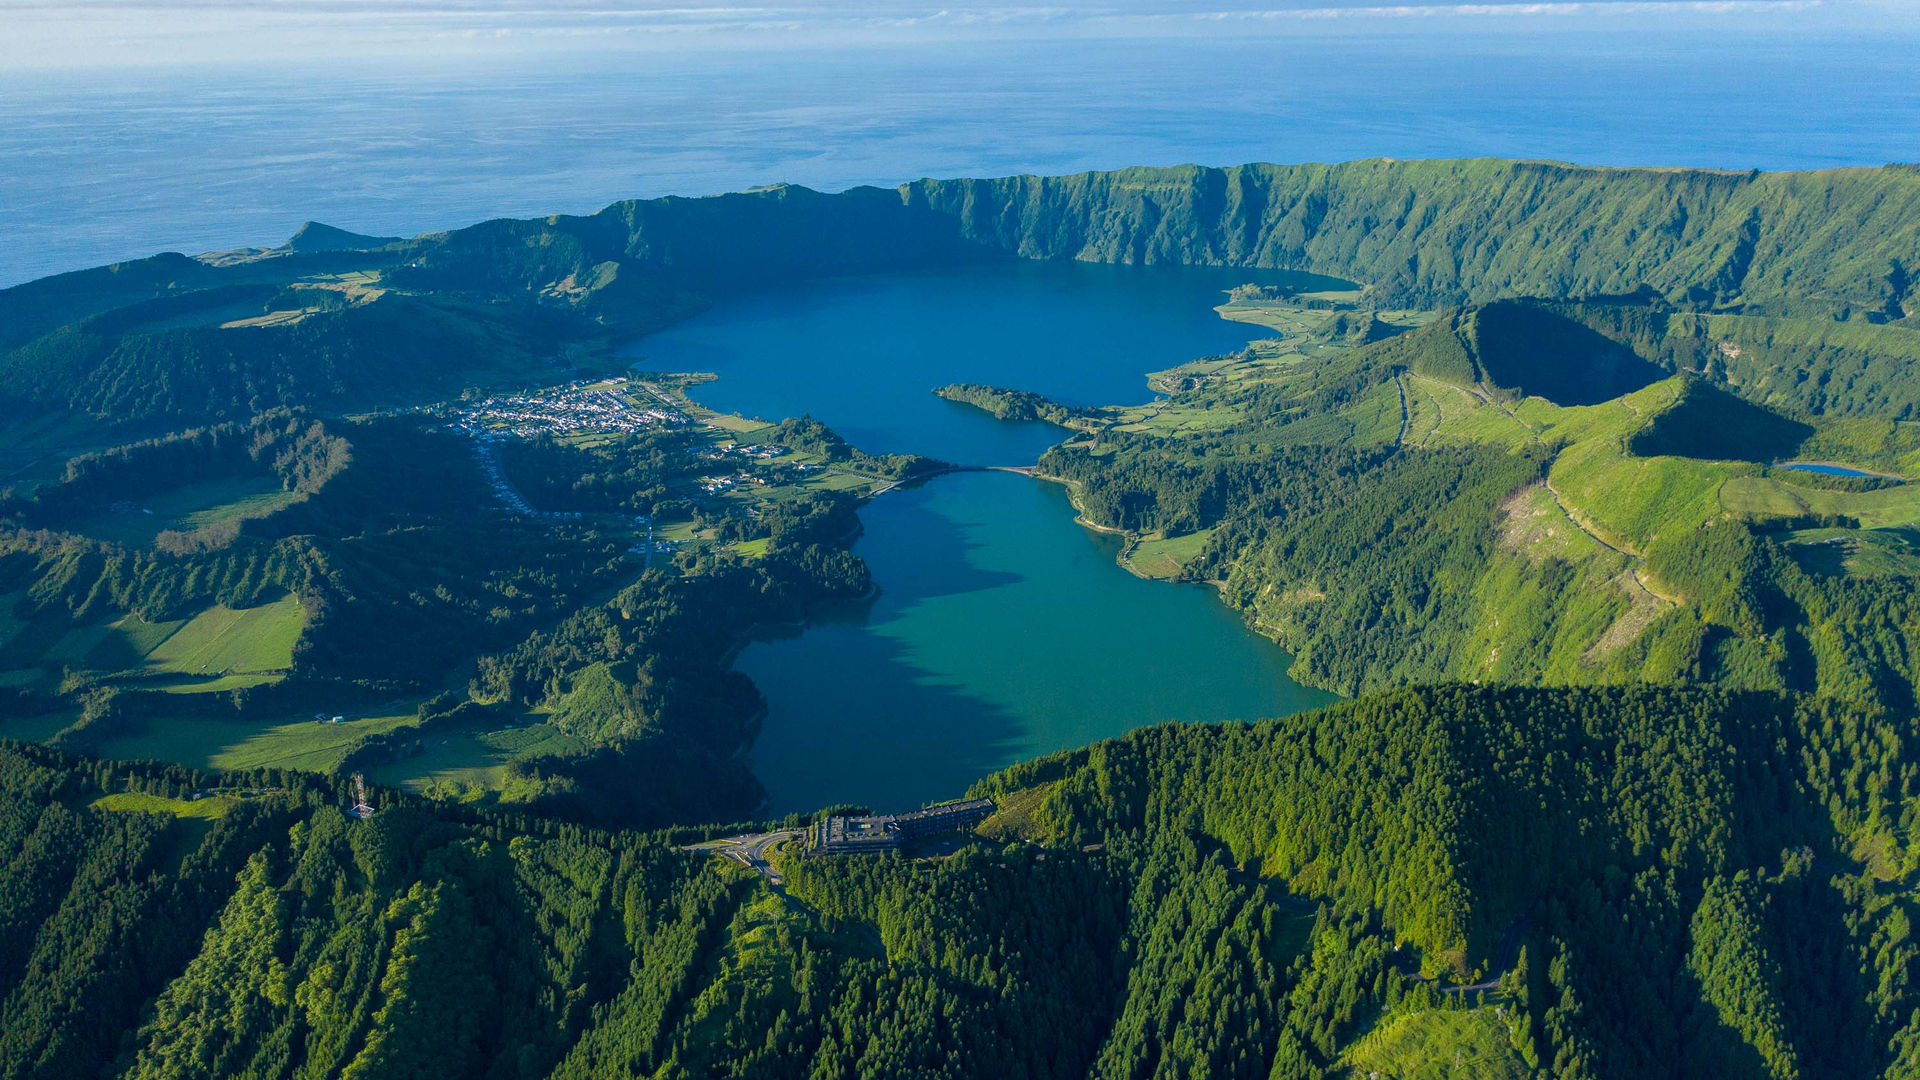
(749, 851)
(1508, 954)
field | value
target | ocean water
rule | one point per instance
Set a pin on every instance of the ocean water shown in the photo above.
(106, 164)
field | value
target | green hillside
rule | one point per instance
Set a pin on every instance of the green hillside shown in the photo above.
(1431, 233)
(1508, 493)
(1593, 883)
(1626, 787)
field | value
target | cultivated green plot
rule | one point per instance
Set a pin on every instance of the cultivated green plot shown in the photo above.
(1167, 557)
(223, 640)
(186, 508)
(218, 743)
(133, 802)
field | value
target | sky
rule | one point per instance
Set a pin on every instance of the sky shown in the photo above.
(59, 35)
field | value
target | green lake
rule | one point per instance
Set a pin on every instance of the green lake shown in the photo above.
(1002, 629)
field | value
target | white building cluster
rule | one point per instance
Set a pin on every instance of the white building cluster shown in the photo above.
(576, 407)
(753, 450)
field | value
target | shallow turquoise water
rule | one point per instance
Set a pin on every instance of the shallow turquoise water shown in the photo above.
(1002, 629)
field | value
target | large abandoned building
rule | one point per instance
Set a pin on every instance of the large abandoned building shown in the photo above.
(885, 832)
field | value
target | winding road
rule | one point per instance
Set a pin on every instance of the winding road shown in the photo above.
(749, 850)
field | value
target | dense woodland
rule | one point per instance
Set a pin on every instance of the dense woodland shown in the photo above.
(1650, 883)
(1575, 827)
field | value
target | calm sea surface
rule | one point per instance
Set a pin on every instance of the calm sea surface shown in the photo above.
(107, 165)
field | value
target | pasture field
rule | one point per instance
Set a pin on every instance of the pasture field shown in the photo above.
(223, 640)
(39, 727)
(188, 507)
(133, 802)
(10, 621)
(460, 757)
(1770, 496)
(220, 682)
(285, 743)
(308, 744)
(471, 758)
(739, 425)
(1166, 556)
(1859, 552)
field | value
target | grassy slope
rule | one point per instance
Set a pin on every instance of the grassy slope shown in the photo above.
(219, 648)
(224, 640)
(189, 507)
(1437, 1044)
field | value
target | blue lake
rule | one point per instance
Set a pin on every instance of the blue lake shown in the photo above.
(863, 354)
(1002, 628)
(1824, 468)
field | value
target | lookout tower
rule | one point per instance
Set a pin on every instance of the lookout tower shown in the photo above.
(362, 809)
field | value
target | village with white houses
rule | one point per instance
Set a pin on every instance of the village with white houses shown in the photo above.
(727, 469)
(578, 407)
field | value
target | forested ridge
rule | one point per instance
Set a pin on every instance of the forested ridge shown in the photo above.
(1660, 882)
(1430, 233)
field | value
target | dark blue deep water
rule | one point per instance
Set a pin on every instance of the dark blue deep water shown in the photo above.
(863, 354)
(109, 164)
